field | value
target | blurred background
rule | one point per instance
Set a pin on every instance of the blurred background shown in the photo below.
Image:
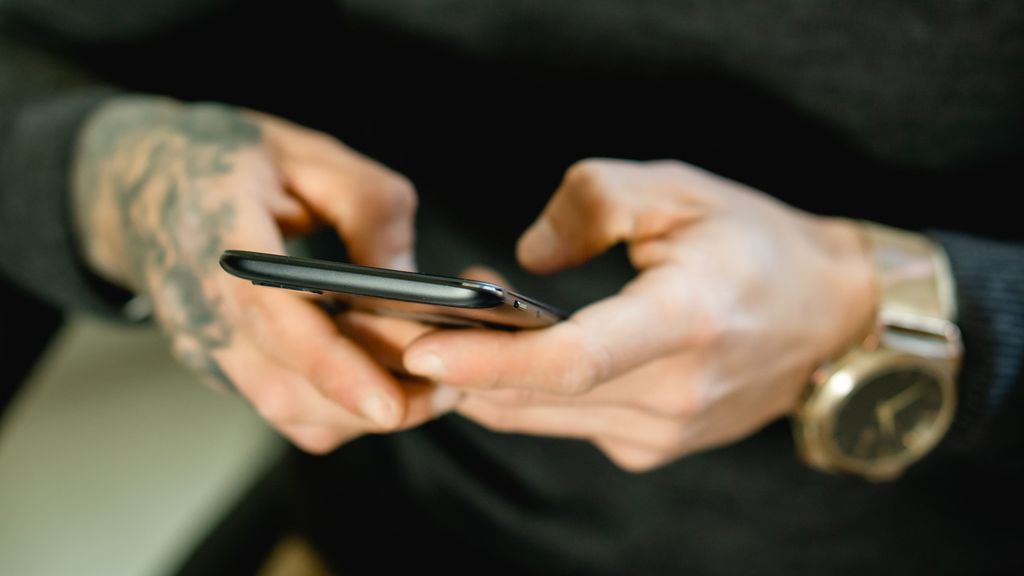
(82, 397)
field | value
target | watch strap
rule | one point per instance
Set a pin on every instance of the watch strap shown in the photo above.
(917, 290)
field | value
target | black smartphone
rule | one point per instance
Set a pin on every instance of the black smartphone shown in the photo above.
(444, 300)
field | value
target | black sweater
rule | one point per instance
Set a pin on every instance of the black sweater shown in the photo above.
(907, 113)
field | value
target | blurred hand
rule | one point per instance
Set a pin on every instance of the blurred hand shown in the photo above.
(739, 298)
(161, 189)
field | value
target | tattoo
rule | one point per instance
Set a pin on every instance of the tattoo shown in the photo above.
(154, 170)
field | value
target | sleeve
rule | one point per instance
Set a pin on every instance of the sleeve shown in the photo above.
(43, 101)
(61, 59)
(989, 277)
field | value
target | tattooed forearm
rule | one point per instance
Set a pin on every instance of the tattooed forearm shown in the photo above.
(152, 210)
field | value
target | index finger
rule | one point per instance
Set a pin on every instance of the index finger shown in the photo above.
(293, 329)
(653, 316)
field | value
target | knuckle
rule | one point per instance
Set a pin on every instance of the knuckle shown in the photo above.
(710, 329)
(302, 141)
(396, 194)
(676, 408)
(633, 461)
(382, 428)
(670, 440)
(584, 174)
(323, 372)
(521, 396)
(642, 465)
(587, 368)
(258, 319)
(274, 403)
(497, 423)
(185, 352)
(708, 323)
(323, 140)
(670, 165)
(317, 441)
(498, 379)
(681, 403)
(664, 163)
(589, 188)
(579, 379)
(189, 352)
(496, 420)
(514, 396)
(684, 173)
(605, 210)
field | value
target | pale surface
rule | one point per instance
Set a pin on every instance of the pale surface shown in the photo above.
(116, 460)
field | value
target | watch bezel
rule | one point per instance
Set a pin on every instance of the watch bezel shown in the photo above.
(835, 384)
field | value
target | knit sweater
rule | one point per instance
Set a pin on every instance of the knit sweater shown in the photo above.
(905, 113)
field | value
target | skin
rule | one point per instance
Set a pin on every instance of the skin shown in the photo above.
(161, 188)
(738, 299)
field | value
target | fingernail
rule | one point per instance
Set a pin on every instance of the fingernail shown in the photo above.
(444, 399)
(427, 365)
(379, 408)
(403, 262)
(539, 242)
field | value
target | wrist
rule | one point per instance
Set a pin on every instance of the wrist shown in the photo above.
(885, 403)
(853, 280)
(103, 158)
(142, 165)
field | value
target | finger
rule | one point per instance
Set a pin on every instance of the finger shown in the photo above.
(582, 422)
(299, 334)
(371, 206)
(668, 387)
(485, 274)
(282, 396)
(293, 406)
(318, 439)
(631, 457)
(294, 330)
(383, 337)
(601, 203)
(293, 217)
(372, 210)
(426, 402)
(654, 316)
(260, 185)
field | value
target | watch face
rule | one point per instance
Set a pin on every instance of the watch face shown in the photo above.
(889, 415)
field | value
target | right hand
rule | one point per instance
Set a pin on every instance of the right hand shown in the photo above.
(162, 188)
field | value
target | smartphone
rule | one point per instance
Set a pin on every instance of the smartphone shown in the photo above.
(444, 300)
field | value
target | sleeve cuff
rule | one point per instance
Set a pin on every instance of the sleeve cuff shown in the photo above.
(38, 247)
(990, 303)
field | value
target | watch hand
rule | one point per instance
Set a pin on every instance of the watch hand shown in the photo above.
(905, 398)
(886, 419)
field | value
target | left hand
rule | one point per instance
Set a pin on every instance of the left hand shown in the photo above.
(738, 300)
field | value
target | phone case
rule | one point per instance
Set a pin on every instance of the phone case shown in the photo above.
(437, 299)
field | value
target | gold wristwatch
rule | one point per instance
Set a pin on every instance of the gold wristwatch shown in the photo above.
(889, 401)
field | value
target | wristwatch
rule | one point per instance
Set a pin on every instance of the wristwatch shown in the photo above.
(889, 401)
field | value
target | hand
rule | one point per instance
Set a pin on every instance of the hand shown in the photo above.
(162, 188)
(739, 298)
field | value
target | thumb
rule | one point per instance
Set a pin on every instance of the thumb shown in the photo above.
(600, 203)
(580, 221)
